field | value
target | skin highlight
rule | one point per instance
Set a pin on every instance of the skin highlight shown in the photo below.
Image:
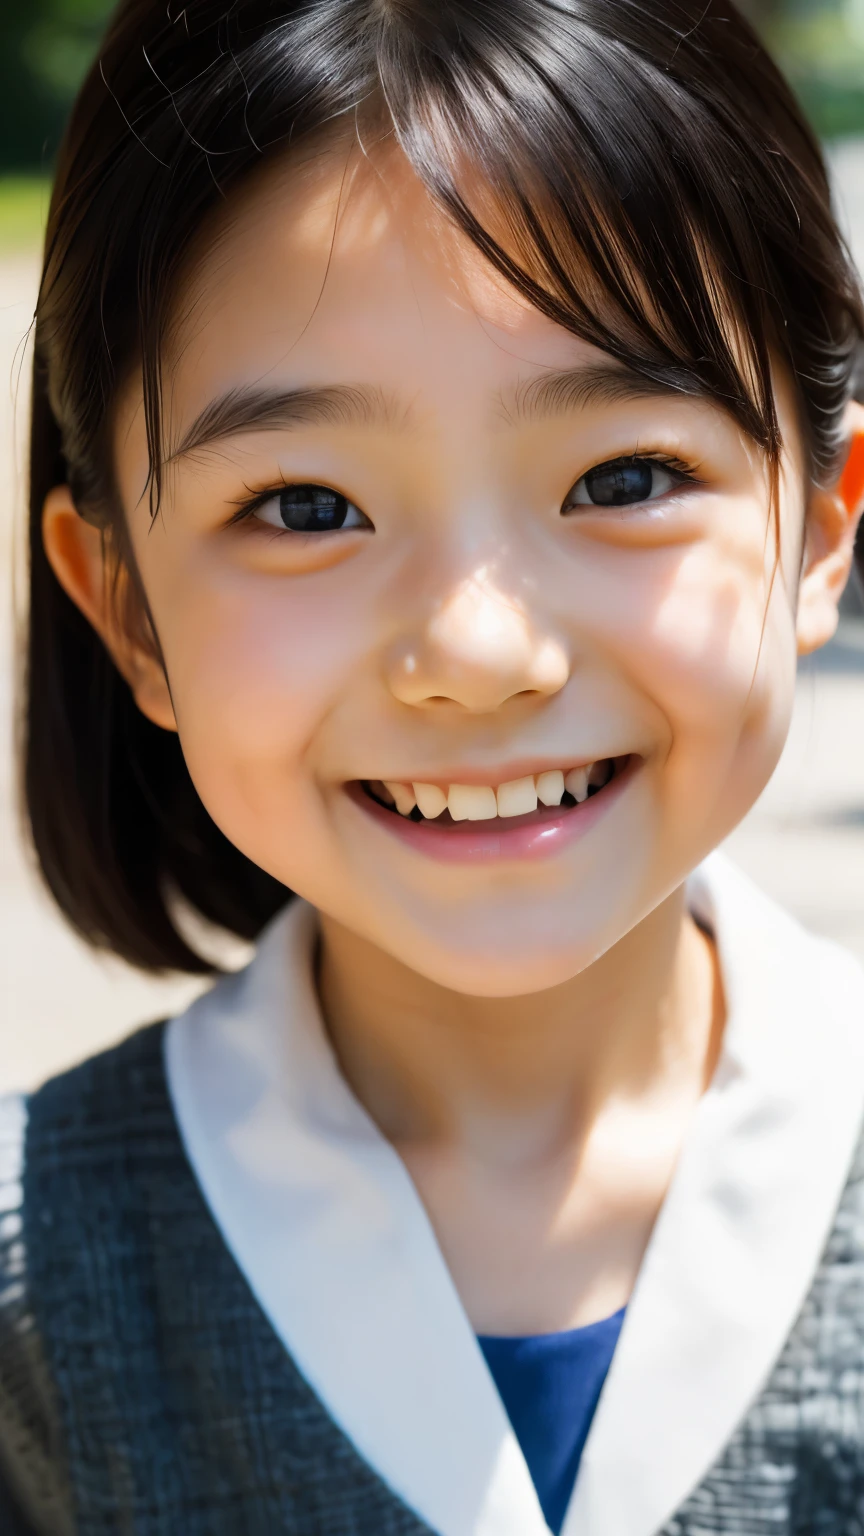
(533, 1037)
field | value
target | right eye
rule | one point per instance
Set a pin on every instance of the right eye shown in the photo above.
(310, 509)
(624, 482)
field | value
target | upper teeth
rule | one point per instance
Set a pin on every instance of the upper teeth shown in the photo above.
(482, 802)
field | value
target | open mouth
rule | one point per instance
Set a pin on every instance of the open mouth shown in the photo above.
(532, 817)
(533, 800)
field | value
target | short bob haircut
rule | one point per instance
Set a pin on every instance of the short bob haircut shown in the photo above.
(647, 180)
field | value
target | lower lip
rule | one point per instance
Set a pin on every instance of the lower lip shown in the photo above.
(466, 842)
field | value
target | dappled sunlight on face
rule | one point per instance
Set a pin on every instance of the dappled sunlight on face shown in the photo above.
(465, 599)
(483, 626)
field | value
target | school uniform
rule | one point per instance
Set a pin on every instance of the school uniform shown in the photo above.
(223, 1308)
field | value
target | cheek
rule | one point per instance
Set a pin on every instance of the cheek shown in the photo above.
(255, 666)
(719, 644)
(703, 638)
(716, 654)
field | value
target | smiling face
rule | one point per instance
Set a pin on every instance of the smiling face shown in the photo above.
(417, 543)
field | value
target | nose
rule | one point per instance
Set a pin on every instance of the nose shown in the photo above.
(479, 648)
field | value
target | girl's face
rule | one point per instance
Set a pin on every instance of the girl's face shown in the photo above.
(521, 561)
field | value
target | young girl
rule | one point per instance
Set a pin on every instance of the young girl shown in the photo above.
(443, 443)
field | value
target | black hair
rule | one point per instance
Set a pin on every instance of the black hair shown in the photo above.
(637, 168)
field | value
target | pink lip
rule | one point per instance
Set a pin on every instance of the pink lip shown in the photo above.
(538, 836)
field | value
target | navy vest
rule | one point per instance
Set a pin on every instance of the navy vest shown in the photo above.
(144, 1393)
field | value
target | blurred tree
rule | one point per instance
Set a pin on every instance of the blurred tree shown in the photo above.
(820, 45)
(45, 48)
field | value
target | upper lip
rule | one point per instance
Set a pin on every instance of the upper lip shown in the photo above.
(501, 773)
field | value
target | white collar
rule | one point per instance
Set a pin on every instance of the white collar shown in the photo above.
(324, 1221)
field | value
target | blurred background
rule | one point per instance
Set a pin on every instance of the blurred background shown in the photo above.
(803, 842)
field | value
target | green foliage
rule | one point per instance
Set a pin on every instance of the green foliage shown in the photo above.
(58, 46)
(45, 49)
(23, 209)
(821, 47)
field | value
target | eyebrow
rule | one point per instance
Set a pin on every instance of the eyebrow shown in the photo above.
(244, 410)
(563, 390)
(556, 392)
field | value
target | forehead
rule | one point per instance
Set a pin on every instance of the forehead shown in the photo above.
(343, 267)
(339, 268)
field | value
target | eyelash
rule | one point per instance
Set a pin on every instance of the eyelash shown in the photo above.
(665, 460)
(259, 499)
(686, 472)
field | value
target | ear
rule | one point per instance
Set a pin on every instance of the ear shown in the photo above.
(829, 541)
(88, 571)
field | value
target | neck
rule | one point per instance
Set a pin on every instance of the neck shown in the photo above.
(518, 1079)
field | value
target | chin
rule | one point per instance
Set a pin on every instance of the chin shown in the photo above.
(509, 966)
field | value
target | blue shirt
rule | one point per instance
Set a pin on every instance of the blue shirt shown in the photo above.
(550, 1385)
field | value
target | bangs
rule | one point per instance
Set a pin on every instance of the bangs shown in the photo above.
(639, 173)
(618, 203)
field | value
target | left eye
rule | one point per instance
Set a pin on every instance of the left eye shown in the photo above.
(622, 483)
(310, 509)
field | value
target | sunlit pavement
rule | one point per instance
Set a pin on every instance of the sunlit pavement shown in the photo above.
(803, 842)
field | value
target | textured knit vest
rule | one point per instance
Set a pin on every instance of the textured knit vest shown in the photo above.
(144, 1392)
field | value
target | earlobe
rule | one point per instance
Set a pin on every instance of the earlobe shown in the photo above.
(80, 558)
(829, 542)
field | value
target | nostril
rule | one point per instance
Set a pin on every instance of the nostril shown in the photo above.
(480, 702)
